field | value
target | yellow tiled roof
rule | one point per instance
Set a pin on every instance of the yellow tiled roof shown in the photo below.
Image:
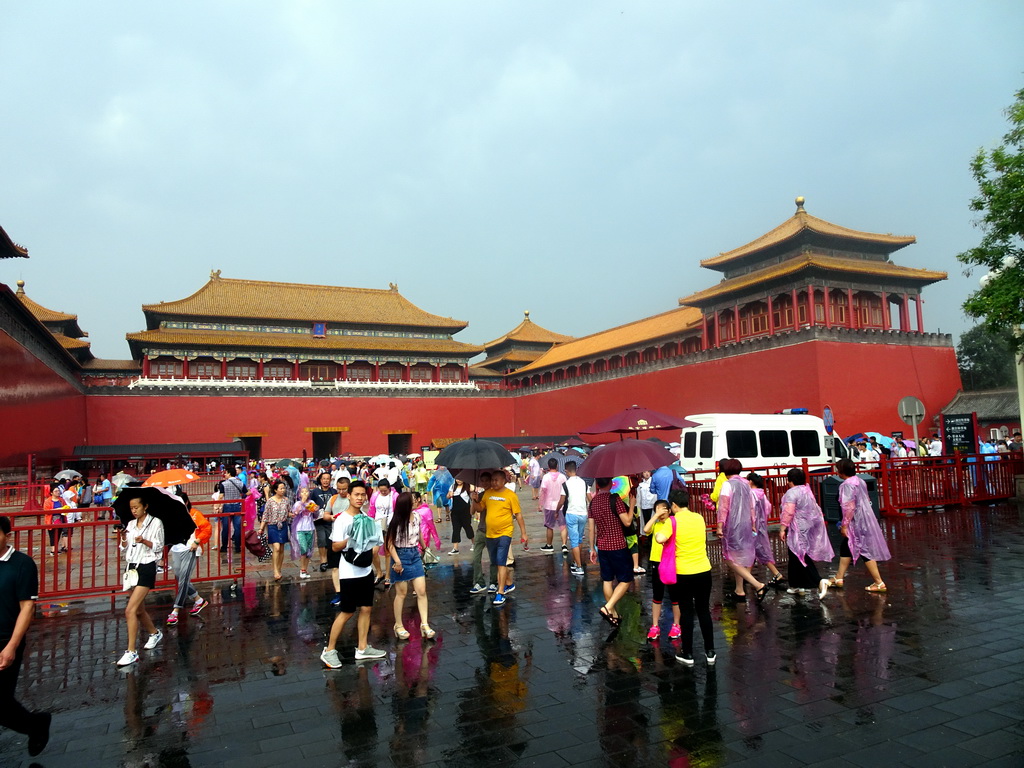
(255, 299)
(831, 263)
(191, 338)
(799, 222)
(112, 365)
(528, 330)
(41, 313)
(631, 335)
(479, 372)
(68, 343)
(10, 249)
(512, 356)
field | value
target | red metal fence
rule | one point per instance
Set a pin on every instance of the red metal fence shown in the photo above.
(93, 563)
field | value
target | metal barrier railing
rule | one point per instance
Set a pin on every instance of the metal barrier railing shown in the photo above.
(93, 563)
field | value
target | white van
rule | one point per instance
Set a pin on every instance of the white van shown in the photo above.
(757, 440)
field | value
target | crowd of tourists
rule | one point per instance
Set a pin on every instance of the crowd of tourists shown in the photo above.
(374, 526)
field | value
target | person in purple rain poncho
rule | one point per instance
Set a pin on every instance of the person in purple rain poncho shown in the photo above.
(736, 527)
(762, 544)
(302, 531)
(803, 530)
(862, 536)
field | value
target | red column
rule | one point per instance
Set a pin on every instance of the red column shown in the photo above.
(184, 368)
(771, 317)
(920, 316)
(407, 373)
(828, 307)
(905, 314)
(811, 317)
(295, 370)
(851, 319)
(344, 371)
(796, 315)
(224, 368)
(885, 311)
(376, 372)
(704, 334)
(465, 373)
(145, 366)
(259, 369)
(736, 319)
(436, 375)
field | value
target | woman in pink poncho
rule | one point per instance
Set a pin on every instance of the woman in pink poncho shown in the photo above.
(762, 544)
(803, 529)
(737, 525)
(862, 536)
(428, 531)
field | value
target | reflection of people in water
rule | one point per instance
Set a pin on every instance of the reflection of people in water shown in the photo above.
(356, 716)
(621, 722)
(140, 729)
(691, 723)
(411, 703)
(498, 695)
(813, 661)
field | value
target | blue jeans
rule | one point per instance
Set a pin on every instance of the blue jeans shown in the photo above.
(229, 520)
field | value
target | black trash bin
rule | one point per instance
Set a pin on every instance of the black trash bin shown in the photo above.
(830, 496)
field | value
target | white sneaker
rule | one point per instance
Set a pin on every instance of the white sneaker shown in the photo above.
(369, 652)
(154, 640)
(330, 659)
(303, 575)
(130, 657)
(822, 589)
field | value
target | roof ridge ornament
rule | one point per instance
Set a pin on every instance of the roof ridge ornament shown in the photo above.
(393, 287)
(800, 204)
(526, 315)
(21, 287)
(214, 275)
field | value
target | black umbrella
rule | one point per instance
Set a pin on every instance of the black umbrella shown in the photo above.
(161, 504)
(474, 454)
(282, 463)
(561, 458)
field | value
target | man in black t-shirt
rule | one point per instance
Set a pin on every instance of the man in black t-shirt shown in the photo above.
(19, 587)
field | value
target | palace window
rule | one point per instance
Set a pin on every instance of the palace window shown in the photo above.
(726, 326)
(837, 303)
(277, 371)
(204, 370)
(754, 319)
(241, 370)
(165, 368)
(318, 371)
(360, 372)
(782, 311)
(391, 372)
(868, 307)
(421, 373)
(451, 373)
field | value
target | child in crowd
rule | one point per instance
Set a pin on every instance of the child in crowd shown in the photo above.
(428, 531)
(660, 522)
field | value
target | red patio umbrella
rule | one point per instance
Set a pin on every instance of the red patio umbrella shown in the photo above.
(627, 457)
(637, 419)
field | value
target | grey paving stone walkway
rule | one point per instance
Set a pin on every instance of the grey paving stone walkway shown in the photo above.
(929, 674)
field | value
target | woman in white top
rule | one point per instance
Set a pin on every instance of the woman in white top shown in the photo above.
(143, 540)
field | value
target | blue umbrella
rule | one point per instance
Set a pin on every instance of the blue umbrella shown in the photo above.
(883, 439)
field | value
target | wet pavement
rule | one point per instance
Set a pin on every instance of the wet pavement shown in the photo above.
(929, 674)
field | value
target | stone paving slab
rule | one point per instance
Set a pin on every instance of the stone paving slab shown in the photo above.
(929, 674)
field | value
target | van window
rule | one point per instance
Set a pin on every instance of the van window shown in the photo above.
(806, 443)
(707, 444)
(741, 443)
(690, 445)
(774, 443)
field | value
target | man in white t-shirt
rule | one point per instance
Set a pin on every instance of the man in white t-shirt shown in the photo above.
(355, 585)
(935, 446)
(867, 457)
(574, 498)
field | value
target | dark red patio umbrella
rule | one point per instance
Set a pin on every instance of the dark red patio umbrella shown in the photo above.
(574, 442)
(626, 457)
(637, 419)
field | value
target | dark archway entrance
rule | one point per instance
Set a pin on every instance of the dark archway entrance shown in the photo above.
(400, 444)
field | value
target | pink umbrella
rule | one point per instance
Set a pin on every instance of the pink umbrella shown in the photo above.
(626, 457)
(637, 419)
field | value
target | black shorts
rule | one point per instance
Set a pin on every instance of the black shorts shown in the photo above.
(616, 565)
(147, 575)
(333, 558)
(356, 593)
(323, 534)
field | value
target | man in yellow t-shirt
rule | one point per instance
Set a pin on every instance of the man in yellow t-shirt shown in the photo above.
(500, 506)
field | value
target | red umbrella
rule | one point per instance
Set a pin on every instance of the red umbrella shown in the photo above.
(169, 478)
(626, 457)
(574, 442)
(637, 419)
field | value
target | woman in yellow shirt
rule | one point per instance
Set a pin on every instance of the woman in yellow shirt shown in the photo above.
(692, 590)
(659, 522)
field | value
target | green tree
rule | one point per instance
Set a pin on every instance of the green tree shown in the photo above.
(1000, 201)
(986, 358)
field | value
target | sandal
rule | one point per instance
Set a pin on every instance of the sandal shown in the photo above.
(426, 632)
(834, 582)
(607, 616)
(879, 587)
(761, 593)
(401, 632)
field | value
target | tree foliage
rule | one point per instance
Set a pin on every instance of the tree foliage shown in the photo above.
(986, 358)
(1000, 201)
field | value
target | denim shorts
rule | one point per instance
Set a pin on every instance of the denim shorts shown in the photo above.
(277, 535)
(577, 525)
(497, 549)
(412, 564)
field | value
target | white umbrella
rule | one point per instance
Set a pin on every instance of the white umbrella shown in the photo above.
(380, 459)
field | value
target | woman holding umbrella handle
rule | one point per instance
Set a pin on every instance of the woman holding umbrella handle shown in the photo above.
(143, 539)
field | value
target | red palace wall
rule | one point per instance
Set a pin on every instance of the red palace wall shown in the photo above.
(40, 412)
(861, 382)
(115, 420)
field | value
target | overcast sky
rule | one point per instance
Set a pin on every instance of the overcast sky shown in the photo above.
(577, 159)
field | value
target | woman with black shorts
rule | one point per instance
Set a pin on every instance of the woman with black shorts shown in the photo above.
(462, 516)
(143, 540)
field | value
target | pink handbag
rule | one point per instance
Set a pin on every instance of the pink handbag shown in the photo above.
(667, 566)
